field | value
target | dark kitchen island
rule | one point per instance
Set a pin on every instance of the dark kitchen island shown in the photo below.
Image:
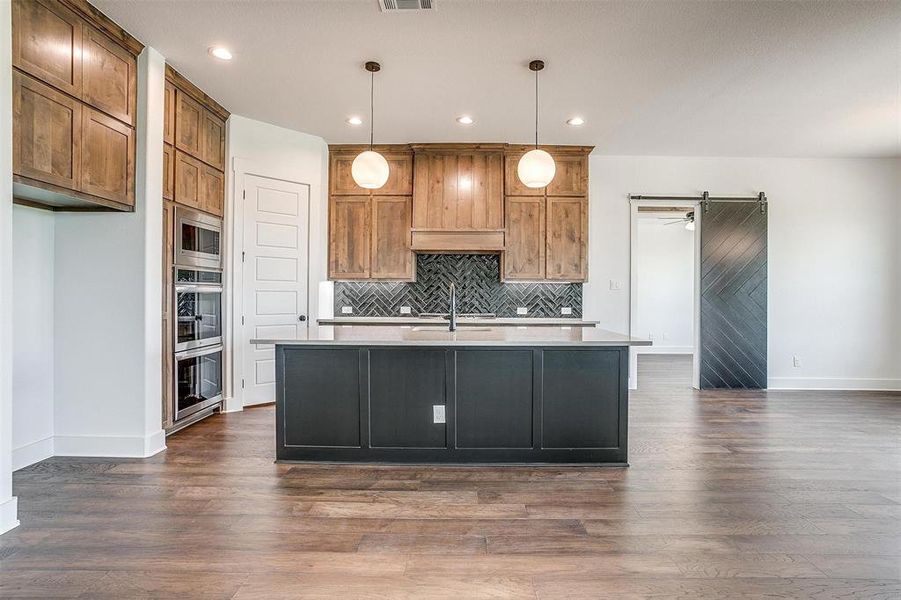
(422, 394)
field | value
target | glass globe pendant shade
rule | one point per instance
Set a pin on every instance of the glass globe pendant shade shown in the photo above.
(536, 168)
(690, 225)
(369, 170)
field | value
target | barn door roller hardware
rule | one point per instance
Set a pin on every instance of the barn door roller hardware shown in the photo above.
(705, 199)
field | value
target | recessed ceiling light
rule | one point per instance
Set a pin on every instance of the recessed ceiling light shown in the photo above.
(464, 120)
(575, 121)
(354, 121)
(221, 53)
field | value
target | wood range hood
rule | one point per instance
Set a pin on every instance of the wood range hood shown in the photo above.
(458, 198)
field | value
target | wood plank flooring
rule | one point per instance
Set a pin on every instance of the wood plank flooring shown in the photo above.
(730, 495)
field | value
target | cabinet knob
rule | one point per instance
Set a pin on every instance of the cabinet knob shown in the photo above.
(302, 318)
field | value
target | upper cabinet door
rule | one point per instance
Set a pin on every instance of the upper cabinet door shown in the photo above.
(168, 172)
(188, 123)
(458, 191)
(212, 140)
(392, 257)
(187, 180)
(567, 238)
(349, 229)
(513, 186)
(107, 157)
(169, 116)
(400, 175)
(47, 43)
(525, 247)
(571, 178)
(46, 133)
(109, 76)
(212, 190)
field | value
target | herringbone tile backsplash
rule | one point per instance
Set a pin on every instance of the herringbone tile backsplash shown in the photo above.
(479, 290)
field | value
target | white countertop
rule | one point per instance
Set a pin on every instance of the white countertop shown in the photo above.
(461, 322)
(438, 335)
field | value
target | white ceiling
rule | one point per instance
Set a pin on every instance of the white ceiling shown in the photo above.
(669, 78)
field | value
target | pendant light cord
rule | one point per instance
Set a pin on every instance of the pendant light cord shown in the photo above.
(371, 112)
(536, 109)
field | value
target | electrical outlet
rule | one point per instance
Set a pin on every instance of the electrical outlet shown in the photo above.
(405, 310)
(438, 413)
(522, 310)
(615, 285)
(796, 362)
(566, 310)
(651, 336)
(347, 310)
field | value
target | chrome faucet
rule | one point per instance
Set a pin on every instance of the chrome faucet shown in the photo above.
(453, 308)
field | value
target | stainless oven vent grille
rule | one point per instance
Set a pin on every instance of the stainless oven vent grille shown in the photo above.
(406, 5)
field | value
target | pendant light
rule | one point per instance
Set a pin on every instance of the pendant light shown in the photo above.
(370, 169)
(536, 168)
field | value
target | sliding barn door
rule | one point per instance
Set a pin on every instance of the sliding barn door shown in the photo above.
(733, 296)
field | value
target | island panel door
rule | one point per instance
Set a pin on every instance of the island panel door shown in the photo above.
(275, 275)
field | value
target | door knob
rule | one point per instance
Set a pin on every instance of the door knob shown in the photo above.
(302, 318)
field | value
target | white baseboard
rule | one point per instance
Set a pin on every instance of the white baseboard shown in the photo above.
(31, 453)
(9, 514)
(110, 446)
(832, 383)
(664, 350)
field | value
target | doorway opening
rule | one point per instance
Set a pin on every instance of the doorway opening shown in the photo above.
(664, 294)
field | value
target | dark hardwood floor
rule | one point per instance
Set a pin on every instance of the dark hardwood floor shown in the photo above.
(730, 495)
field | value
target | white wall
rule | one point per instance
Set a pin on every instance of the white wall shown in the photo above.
(259, 148)
(8, 504)
(664, 273)
(32, 335)
(107, 309)
(834, 253)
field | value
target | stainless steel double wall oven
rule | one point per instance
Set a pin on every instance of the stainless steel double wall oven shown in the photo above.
(198, 314)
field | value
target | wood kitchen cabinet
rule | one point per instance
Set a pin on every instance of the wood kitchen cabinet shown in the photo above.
(187, 179)
(567, 238)
(391, 256)
(107, 157)
(46, 133)
(400, 171)
(188, 123)
(349, 237)
(74, 107)
(195, 126)
(169, 114)
(524, 257)
(547, 228)
(109, 76)
(168, 172)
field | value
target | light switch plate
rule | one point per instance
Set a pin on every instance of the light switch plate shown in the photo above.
(522, 310)
(566, 310)
(438, 415)
(405, 310)
(347, 310)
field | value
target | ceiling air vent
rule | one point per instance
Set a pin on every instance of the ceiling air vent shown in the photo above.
(405, 5)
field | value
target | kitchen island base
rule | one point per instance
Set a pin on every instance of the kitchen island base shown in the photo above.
(452, 404)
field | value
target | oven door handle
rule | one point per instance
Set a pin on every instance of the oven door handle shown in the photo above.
(198, 288)
(197, 352)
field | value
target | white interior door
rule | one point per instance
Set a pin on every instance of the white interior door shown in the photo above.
(276, 274)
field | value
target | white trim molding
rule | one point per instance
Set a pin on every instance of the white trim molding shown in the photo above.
(32, 453)
(664, 350)
(833, 383)
(9, 514)
(110, 446)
